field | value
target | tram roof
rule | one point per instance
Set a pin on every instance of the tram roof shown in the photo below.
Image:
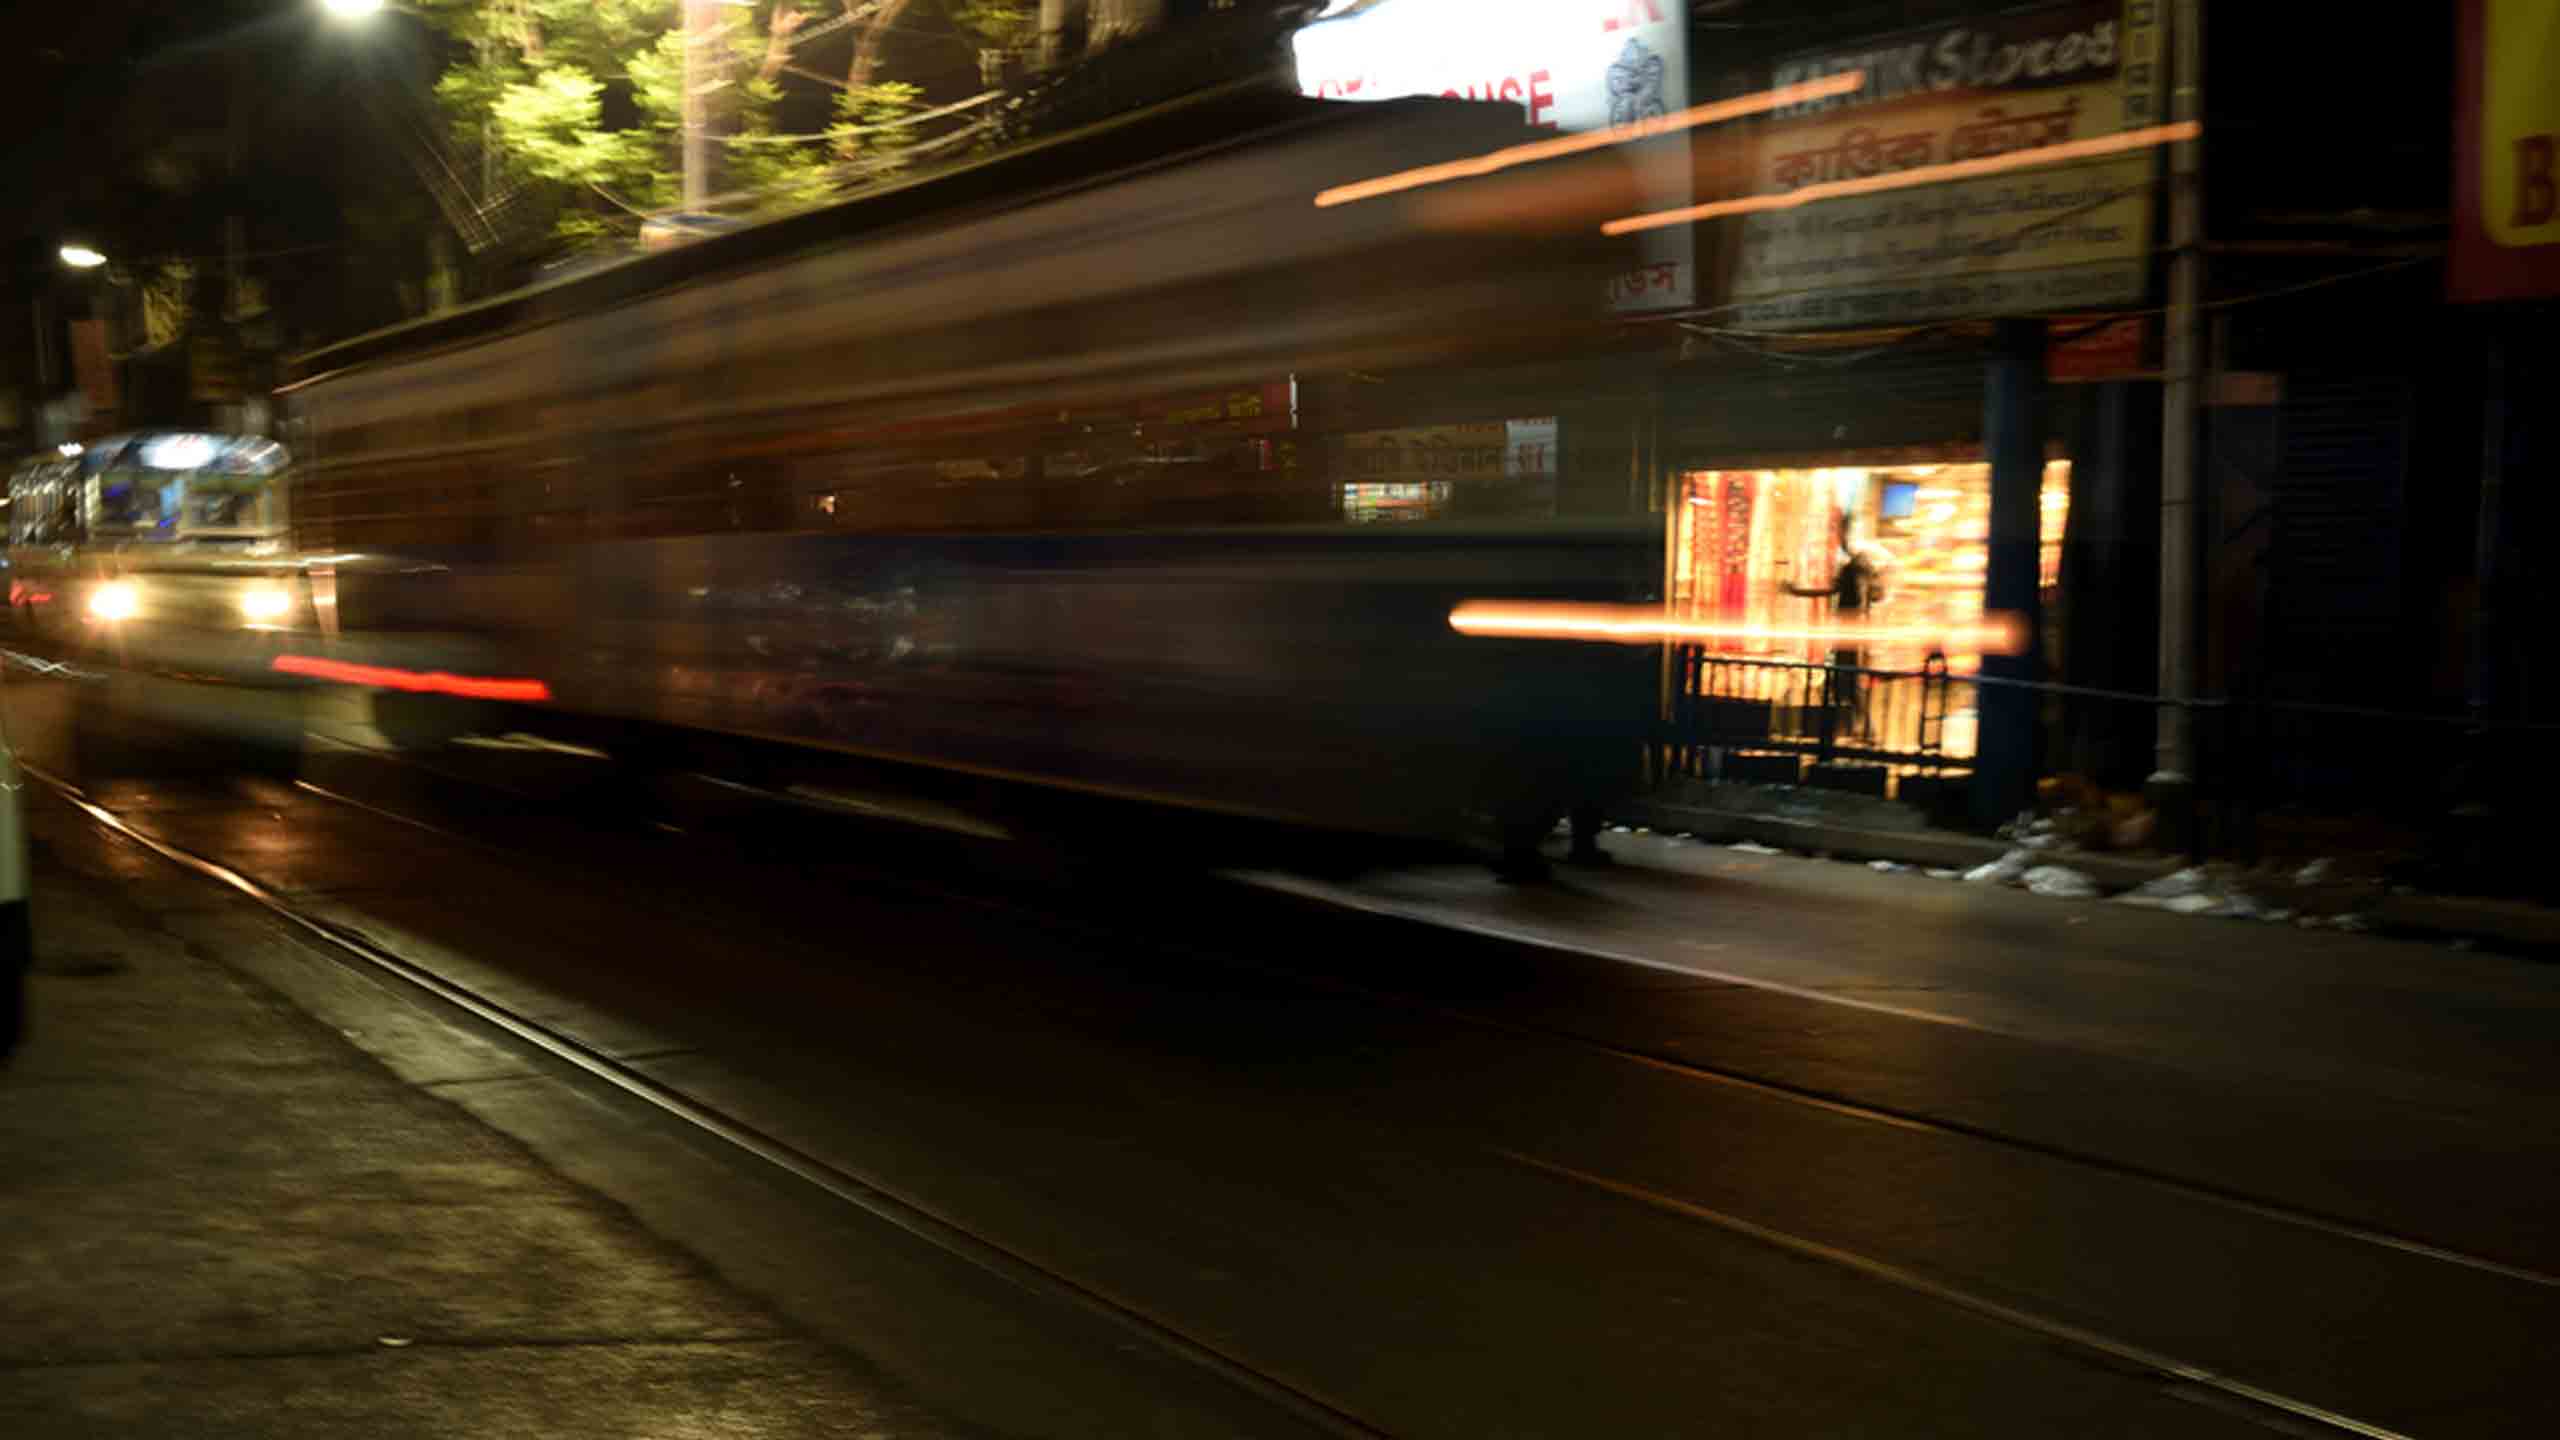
(1070, 161)
(173, 450)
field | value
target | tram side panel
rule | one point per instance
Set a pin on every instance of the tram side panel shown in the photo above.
(1308, 674)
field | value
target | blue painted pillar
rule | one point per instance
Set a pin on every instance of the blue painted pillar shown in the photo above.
(2005, 765)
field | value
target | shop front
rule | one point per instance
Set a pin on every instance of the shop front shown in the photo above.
(1757, 552)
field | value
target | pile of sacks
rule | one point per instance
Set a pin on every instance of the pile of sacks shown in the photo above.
(2081, 816)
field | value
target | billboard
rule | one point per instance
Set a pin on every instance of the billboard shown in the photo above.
(1571, 65)
(2506, 163)
(2024, 241)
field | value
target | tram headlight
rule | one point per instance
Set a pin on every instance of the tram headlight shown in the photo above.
(264, 604)
(115, 600)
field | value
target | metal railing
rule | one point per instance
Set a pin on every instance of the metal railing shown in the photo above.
(1749, 719)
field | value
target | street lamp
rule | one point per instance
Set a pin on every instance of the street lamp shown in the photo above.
(82, 257)
(351, 9)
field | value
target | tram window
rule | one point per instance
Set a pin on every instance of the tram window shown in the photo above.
(226, 509)
(134, 500)
(46, 514)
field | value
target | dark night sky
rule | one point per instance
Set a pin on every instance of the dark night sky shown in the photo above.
(103, 82)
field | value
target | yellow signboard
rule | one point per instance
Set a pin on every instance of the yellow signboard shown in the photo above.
(2033, 239)
(2520, 111)
(2507, 143)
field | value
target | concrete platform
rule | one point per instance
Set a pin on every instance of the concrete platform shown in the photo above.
(218, 1217)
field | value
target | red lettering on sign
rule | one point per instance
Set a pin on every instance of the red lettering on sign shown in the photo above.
(1637, 12)
(1542, 98)
(1511, 90)
(2537, 194)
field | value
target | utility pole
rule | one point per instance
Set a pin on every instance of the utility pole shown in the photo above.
(2173, 767)
(1053, 33)
(488, 137)
(698, 16)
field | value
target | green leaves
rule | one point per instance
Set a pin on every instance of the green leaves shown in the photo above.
(991, 22)
(583, 100)
(554, 128)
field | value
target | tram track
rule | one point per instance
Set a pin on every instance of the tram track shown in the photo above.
(1060, 920)
(865, 1193)
(869, 1194)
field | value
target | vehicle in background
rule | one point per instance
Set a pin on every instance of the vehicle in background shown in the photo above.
(202, 516)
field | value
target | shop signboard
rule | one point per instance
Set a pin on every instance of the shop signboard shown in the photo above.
(1571, 65)
(2243, 390)
(1253, 409)
(2088, 348)
(2015, 242)
(1507, 466)
(1529, 449)
(2506, 212)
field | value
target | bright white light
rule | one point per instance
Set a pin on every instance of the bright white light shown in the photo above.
(81, 257)
(264, 605)
(68, 448)
(115, 600)
(178, 452)
(351, 9)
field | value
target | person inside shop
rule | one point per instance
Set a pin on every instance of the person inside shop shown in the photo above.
(1855, 592)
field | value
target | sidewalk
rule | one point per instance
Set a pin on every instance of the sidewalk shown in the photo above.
(218, 1218)
(1848, 828)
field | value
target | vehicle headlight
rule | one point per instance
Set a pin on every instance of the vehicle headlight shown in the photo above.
(264, 604)
(115, 600)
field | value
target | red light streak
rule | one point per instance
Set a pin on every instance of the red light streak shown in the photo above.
(1925, 175)
(1649, 624)
(425, 682)
(1505, 159)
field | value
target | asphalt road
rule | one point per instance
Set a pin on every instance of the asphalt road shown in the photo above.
(1445, 1186)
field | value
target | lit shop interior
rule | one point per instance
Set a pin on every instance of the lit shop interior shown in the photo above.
(1742, 537)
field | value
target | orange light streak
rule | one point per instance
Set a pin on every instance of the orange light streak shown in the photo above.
(430, 682)
(1536, 150)
(1649, 624)
(1926, 175)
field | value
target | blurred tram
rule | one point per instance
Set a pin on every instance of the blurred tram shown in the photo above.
(1005, 472)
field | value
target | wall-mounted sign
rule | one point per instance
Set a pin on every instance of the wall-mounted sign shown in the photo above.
(1422, 472)
(1266, 407)
(2244, 389)
(1571, 65)
(2506, 163)
(2088, 348)
(2040, 238)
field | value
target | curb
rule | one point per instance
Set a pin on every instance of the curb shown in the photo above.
(2503, 922)
(2507, 923)
(1933, 849)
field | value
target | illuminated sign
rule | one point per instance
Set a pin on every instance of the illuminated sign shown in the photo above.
(1572, 65)
(2506, 220)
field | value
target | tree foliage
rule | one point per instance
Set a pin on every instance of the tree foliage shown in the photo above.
(580, 103)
